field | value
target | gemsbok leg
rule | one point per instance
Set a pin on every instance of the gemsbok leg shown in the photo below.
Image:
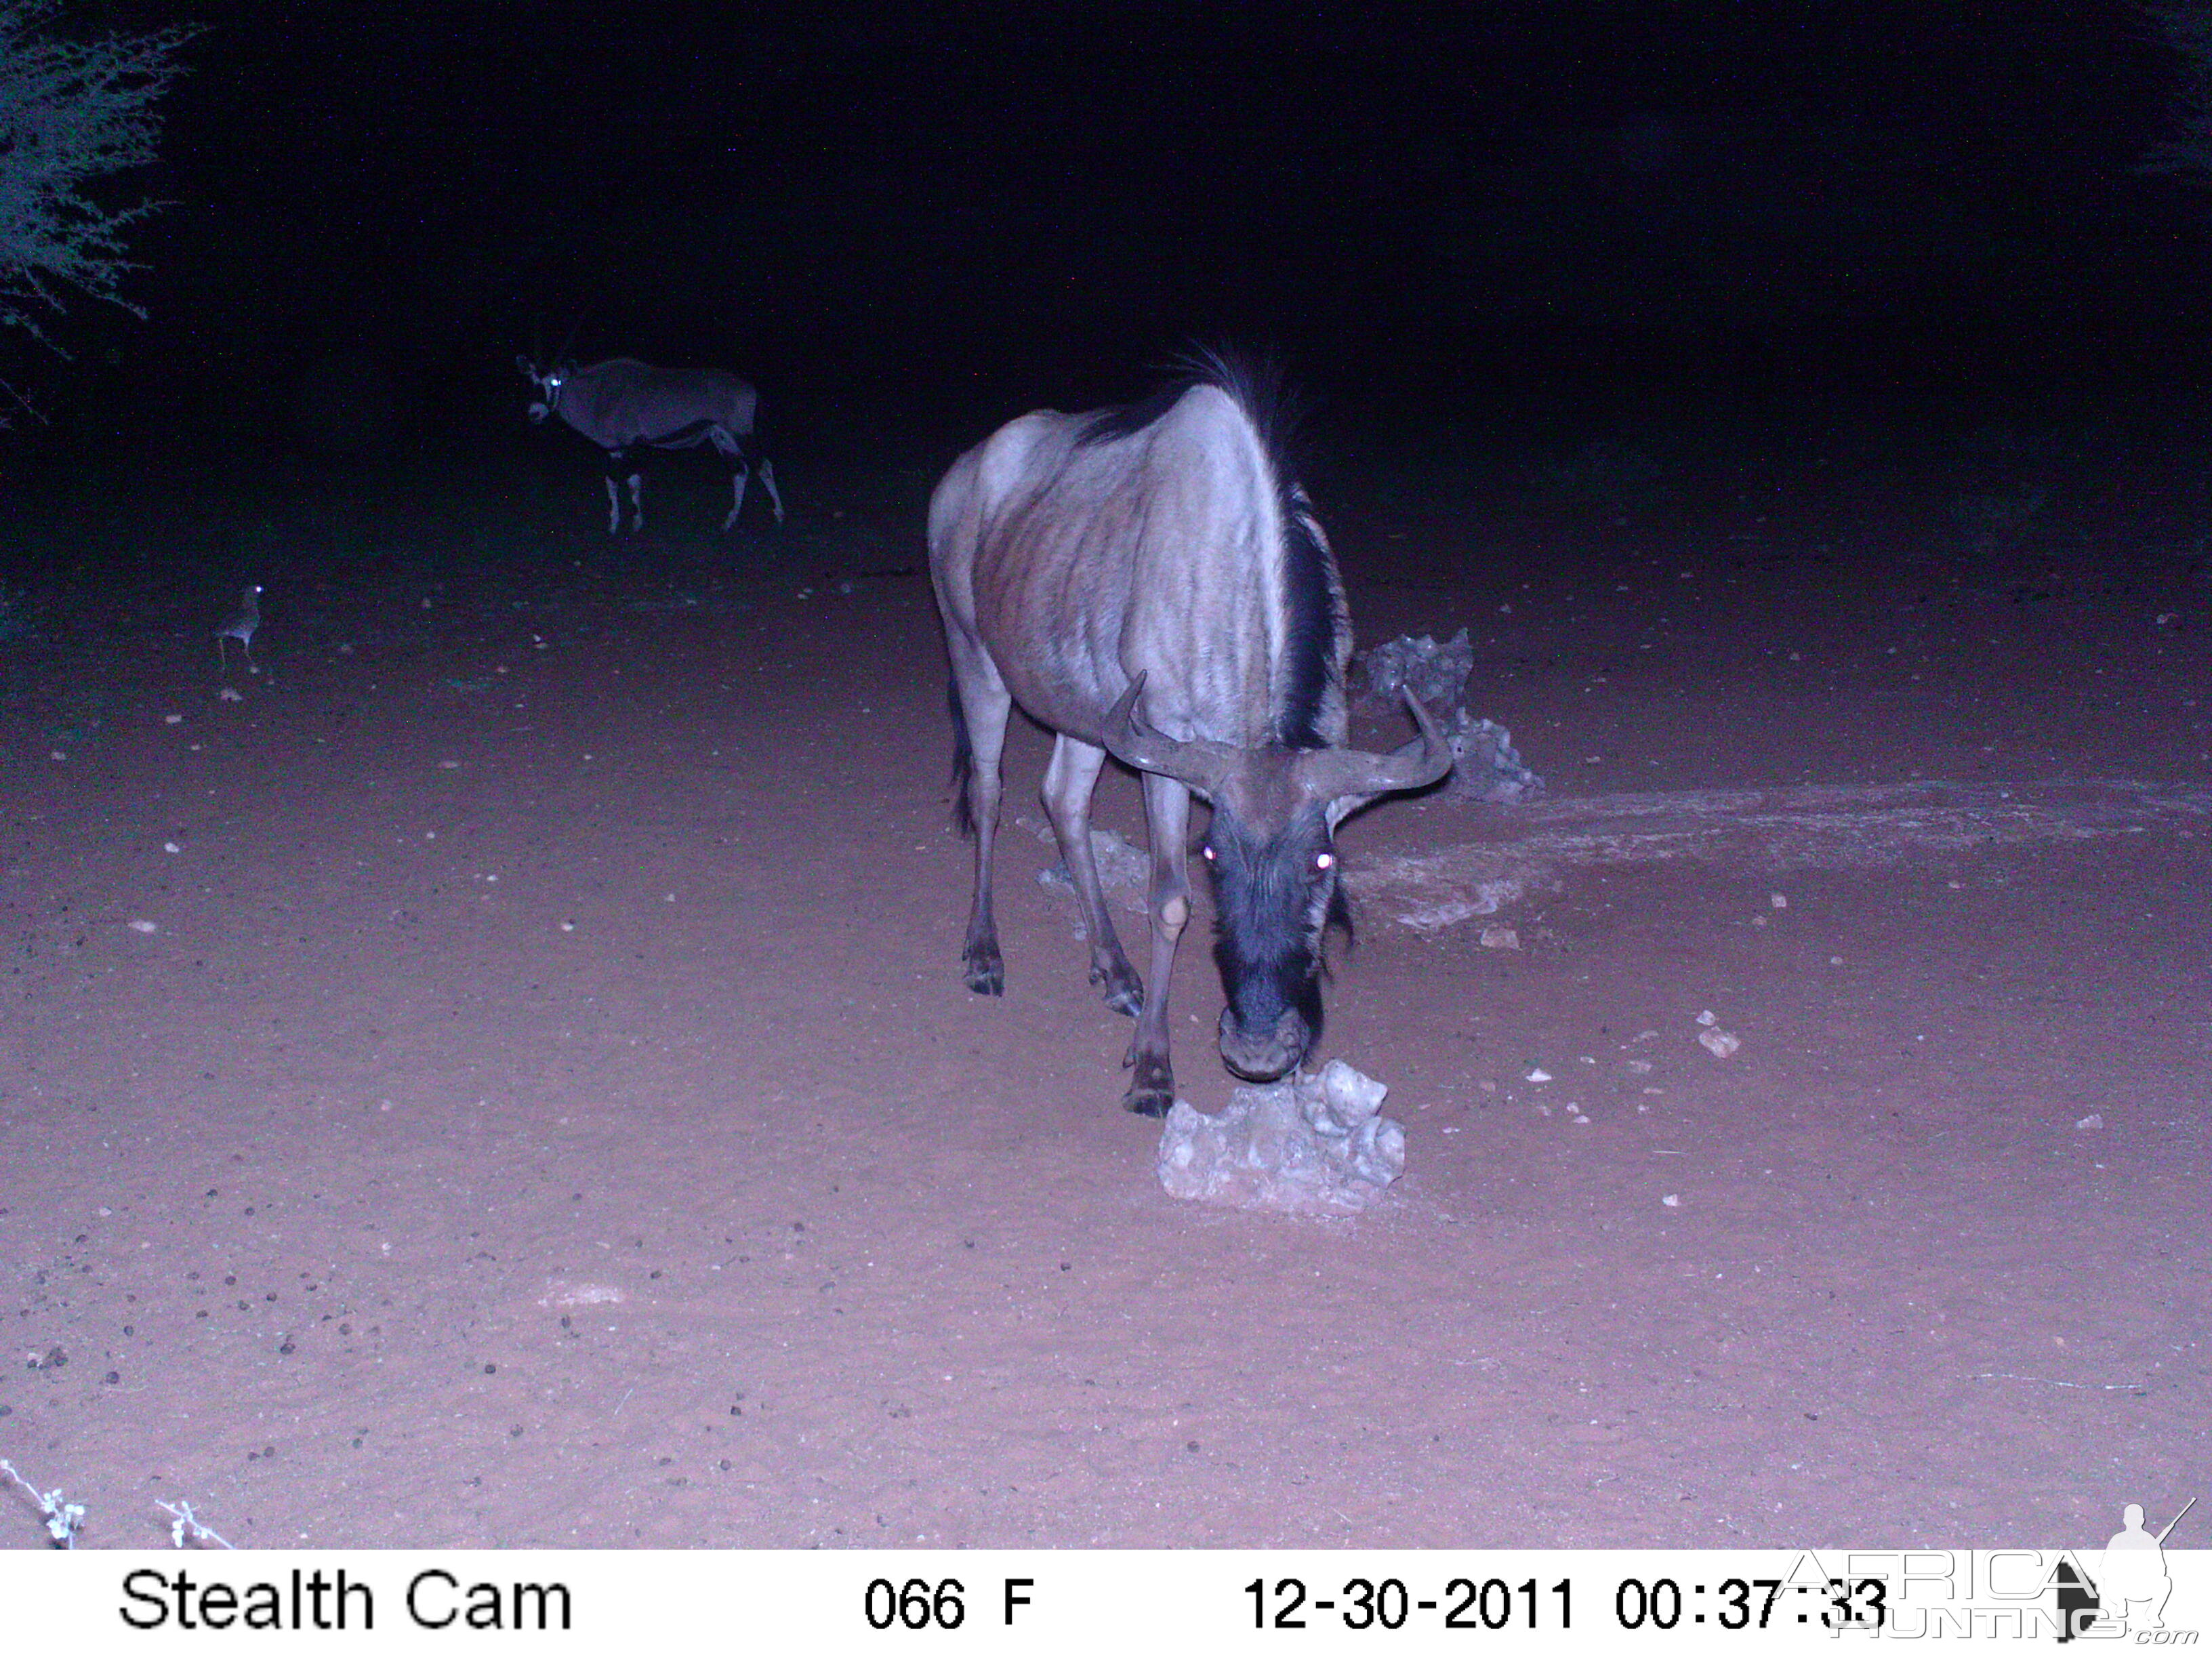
(737, 488)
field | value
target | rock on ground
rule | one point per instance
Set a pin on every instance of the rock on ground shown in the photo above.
(1308, 1146)
(1485, 766)
(1436, 674)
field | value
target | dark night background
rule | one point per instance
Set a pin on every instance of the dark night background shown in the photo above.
(908, 223)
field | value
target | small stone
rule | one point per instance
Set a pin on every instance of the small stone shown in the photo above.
(1672, 1201)
(144, 927)
(1538, 1074)
(1708, 1017)
(1719, 1043)
(2094, 1121)
(173, 719)
(1350, 1095)
(1496, 938)
(1778, 900)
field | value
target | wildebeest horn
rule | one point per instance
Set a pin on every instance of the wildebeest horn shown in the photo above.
(1327, 774)
(1204, 766)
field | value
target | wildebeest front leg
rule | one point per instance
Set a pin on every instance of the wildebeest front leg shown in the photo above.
(614, 506)
(637, 503)
(1068, 782)
(1167, 810)
(984, 706)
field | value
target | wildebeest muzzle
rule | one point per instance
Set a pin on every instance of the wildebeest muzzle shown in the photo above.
(1264, 1056)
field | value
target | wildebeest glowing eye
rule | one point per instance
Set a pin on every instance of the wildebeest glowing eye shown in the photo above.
(1324, 860)
(1206, 852)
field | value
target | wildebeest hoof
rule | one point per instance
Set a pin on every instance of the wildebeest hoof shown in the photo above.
(1149, 1100)
(1152, 1091)
(986, 978)
(1125, 992)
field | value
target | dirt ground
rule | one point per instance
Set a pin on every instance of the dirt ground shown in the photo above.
(504, 1080)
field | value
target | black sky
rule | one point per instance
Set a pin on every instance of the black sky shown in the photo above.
(969, 207)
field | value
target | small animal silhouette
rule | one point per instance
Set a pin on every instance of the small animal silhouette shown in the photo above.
(241, 628)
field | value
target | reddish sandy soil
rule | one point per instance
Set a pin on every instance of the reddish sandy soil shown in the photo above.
(545, 1110)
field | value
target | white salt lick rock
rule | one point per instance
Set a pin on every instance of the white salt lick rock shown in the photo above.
(1308, 1146)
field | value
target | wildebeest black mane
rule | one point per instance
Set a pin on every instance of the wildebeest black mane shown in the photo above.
(1308, 581)
(1126, 420)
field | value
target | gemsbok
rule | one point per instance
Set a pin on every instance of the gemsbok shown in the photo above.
(627, 407)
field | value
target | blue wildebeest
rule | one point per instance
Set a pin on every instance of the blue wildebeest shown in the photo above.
(1161, 555)
(627, 407)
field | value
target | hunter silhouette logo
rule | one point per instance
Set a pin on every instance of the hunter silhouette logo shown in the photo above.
(2131, 1585)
